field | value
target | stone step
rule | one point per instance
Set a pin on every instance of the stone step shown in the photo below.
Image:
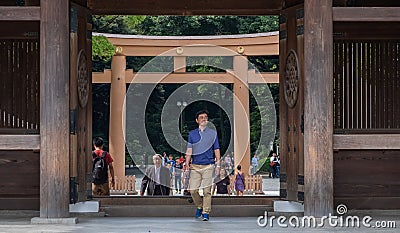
(184, 210)
(184, 200)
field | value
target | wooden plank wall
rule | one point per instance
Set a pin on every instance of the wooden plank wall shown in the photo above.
(19, 183)
(367, 179)
(19, 84)
(366, 84)
(367, 101)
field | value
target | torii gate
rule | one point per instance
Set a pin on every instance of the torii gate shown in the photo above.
(261, 44)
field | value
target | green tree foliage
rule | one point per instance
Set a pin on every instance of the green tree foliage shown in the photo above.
(102, 49)
(206, 25)
(116, 24)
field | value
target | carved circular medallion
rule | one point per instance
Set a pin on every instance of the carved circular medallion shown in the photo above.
(83, 80)
(291, 86)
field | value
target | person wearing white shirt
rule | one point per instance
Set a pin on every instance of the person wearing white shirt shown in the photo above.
(254, 164)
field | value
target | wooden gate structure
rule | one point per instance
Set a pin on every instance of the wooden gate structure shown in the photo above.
(339, 114)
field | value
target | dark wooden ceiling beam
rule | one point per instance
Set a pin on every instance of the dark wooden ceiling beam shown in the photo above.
(188, 7)
(15, 13)
(366, 14)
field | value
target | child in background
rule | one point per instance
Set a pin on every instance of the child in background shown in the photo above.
(222, 183)
(185, 181)
(239, 181)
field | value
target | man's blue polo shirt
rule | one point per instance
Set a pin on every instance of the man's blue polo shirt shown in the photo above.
(203, 144)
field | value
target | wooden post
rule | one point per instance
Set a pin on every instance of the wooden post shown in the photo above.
(180, 64)
(318, 109)
(241, 114)
(117, 113)
(73, 102)
(89, 109)
(54, 110)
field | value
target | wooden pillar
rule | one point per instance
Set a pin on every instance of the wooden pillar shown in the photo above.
(241, 113)
(73, 101)
(318, 110)
(117, 113)
(89, 106)
(180, 64)
(54, 109)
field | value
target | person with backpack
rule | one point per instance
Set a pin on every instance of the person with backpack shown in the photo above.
(102, 162)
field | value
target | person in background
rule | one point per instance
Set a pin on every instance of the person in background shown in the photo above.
(178, 175)
(102, 188)
(228, 161)
(164, 159)
(222, 183)
(239, 181)
(181, 159)
(272, 164)
(278, 166)
(157, 179)
(254, 164)
(185, 180)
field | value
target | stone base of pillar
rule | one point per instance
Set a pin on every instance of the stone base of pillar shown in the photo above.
(63, 221)
(288, 206)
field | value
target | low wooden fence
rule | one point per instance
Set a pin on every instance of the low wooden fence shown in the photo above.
(253, 185)
(124, 185)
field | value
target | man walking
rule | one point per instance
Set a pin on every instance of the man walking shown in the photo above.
(203, 149)
(156, 179)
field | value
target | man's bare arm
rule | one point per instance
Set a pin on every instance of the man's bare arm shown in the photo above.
(217, 157)
(188, 157)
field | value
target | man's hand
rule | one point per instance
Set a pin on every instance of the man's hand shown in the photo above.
(217, 169)
(187, 167)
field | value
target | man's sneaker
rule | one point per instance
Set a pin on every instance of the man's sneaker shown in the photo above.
(198, 212)
(205, 217)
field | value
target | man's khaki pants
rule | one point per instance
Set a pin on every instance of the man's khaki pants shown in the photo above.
(201, 175)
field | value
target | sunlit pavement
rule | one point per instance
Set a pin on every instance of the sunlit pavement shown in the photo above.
(114, 224)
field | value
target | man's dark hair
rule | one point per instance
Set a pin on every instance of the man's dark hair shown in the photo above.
(98, 141)
(239, 167)
(201, 112)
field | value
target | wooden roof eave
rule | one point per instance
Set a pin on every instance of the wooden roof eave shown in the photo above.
(189, 7)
